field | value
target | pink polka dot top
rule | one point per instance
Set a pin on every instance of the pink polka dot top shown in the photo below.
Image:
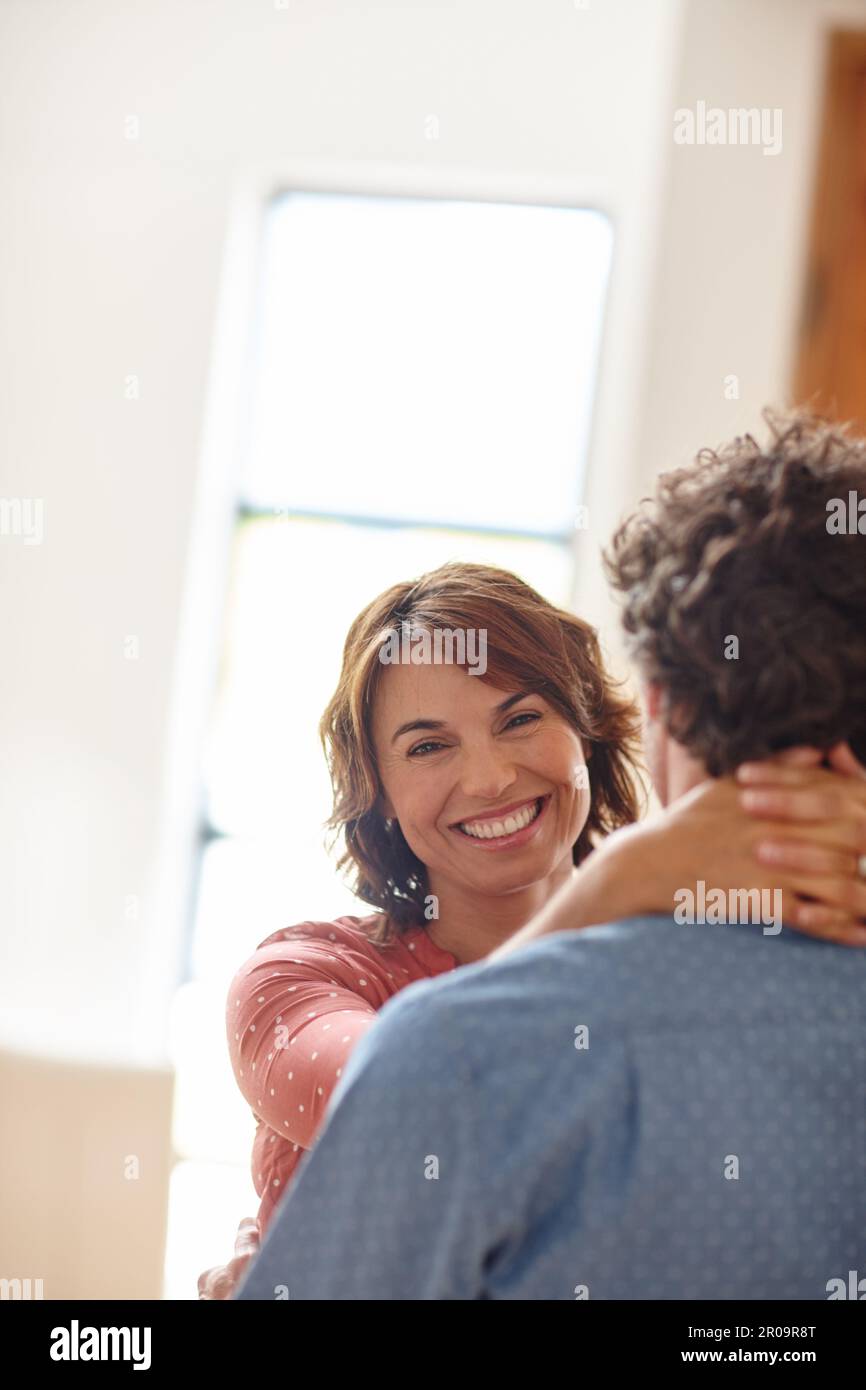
(294, 1012)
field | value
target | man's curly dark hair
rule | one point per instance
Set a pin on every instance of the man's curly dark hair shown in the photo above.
(747, 543)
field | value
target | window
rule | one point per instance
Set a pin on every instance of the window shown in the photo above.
(421, 390)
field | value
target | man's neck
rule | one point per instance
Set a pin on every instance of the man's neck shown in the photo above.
(682, 773)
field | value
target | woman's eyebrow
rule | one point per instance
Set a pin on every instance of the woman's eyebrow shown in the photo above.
(416, 724)
(513, 700)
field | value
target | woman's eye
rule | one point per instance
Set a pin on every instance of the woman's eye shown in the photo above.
(517, 721)
(513, 723)
(420, 747)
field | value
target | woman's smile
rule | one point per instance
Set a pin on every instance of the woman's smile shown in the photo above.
(509, 827)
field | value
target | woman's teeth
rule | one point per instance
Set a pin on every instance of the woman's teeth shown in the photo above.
(495, 829)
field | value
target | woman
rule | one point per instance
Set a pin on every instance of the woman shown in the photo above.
(468, 804)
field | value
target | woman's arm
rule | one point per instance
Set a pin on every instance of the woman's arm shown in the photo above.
(786, 823)
(294, 1011)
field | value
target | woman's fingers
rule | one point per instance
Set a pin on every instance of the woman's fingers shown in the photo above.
(821, 920)
(846, 776)
(773, 774)
(841, 758)
(247, 1239)
(847, 836)
(794, 757)
(830, 890)
(836, 804)
(768, 801)
(844, 760)
(830, 806)
(214, 1283)
(830, 923)
(804, 856)
(788, 768)
(221, 1281)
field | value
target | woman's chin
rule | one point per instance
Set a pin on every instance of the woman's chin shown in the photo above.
(496, 877)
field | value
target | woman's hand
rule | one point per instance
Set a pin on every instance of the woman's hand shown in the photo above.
(222, 1280)
(785, 823)
(812, 823)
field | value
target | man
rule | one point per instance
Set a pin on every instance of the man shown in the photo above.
(664, 1108)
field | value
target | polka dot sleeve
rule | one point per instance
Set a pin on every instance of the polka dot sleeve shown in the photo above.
(295, 1011)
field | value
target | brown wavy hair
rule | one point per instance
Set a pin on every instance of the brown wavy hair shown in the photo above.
(739, 544)
(531, 645)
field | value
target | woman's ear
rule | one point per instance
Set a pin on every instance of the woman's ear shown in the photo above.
(386, 807)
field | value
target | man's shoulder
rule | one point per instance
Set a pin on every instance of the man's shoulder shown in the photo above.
(644, 973)
(561, 971)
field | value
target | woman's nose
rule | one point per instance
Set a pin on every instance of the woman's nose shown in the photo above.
(486, 773)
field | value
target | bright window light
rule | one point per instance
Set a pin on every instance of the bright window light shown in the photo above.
(427, 361)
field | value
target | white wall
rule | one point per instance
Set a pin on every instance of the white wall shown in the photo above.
(726, 288)
(728, 292)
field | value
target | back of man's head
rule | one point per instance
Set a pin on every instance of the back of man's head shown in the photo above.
(745, 594)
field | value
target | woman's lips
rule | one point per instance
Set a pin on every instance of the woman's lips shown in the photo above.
(512, 841)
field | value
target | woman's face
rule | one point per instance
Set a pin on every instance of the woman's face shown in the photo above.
(489, 786)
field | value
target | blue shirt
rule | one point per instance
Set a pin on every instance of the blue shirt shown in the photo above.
(640, 1110)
